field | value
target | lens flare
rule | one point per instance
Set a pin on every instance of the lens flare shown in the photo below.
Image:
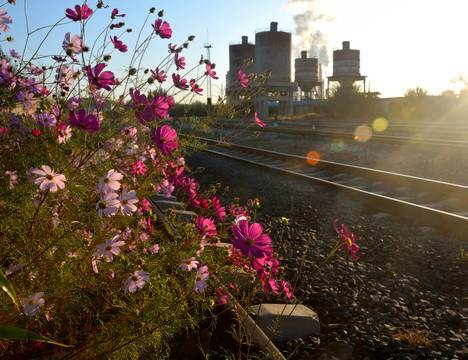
(337, 145)
(380, 124)
(362, 133)
(313, 157)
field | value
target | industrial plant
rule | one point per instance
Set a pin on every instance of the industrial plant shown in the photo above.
(272, 53)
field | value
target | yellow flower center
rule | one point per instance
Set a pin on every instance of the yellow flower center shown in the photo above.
(249, 241)
(49, 177)
(32, 302)
(198, 278)
(134, 278)
(106, 181)
(109, 248)
(125, 202)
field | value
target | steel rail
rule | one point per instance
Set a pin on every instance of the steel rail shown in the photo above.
(434, 203)
(306, 131)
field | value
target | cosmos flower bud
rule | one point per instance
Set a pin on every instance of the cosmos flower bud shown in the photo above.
(161, 13)
(284, 221)
(191, 37)
(132, 71)
(152, 10)
(107, 57)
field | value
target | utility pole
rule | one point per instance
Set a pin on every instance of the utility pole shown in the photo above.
(208, 46)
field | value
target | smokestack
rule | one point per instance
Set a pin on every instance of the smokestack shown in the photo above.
(345, 45)
(245, 40)
(273, 26)
(304, 54)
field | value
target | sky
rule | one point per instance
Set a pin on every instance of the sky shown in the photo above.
(403, 43)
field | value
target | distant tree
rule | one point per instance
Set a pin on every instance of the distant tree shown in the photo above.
(449, 94)
(348, 101)
(416, 92)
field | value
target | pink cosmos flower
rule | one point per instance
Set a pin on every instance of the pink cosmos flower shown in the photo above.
(348, 241)
(188, 264)
(136, 281)
(64, 75)
(111, 248)
(63, 133)
(84, 122)
(200, 279)
(250, 240)
(211, 72)
(162, 29)
(242, 78)
(221, 295)
(108, 205)
(72, 46)
(32, 304)
(179, 62)
(48, 179)
(159, 107)
(4, 20)
(14, 54)
(115, 13)
(80, 13)
(109, 183)
(258, 121)
(99, 78)
(127, 202)
(47, 119)
(179, 82)
(205, 227)
(154, 248)
(163, 137)
(195, 87)
(138, 168)
(159, 75)
(119, 45)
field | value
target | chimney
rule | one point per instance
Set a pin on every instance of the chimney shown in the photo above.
(273, 26)
(303, 54)
(245, 40)
(345, 45)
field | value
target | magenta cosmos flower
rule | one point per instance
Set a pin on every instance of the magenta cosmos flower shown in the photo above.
(86, 123)
(100, 79)
(162, 29)
(48, 180)
(205, 227)
(80, 13)
(258, 121)
(163, 137)
(348, 241)
(211, 72)
(250, 240)
(242, 78)
(136, 281)
(119, 45)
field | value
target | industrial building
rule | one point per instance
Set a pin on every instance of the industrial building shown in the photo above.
(272, 53)
(346, 66)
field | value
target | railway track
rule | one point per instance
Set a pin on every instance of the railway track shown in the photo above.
(433, 203)
(321, 131)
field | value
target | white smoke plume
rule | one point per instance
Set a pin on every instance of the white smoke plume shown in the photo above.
(308, 18)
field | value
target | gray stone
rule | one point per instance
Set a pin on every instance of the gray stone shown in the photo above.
(283, 322)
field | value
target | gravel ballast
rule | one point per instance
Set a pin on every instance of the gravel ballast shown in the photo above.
(404, 298)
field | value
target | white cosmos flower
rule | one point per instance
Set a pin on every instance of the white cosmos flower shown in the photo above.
(48, 179)
(110, 182)
(127, 201)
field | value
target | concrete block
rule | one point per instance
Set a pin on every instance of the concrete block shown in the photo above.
(282, 322)
(167, 204)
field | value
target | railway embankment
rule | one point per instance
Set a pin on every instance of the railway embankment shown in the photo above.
(404, 298)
